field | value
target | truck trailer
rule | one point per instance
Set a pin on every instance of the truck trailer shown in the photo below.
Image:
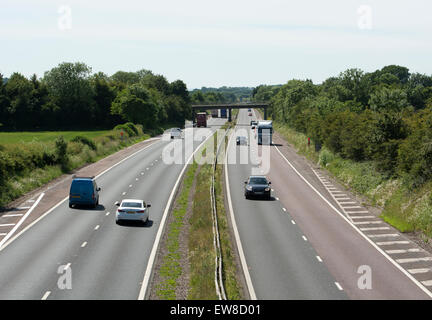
(201, 119)
(265, 132)
(223, 113)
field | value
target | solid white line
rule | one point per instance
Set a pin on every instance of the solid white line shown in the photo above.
(382, 235)
(390, 243)
(246, 273)
(396, 251)
(373, 229)
(362, 217)
(7, 224)
(367, 222)
(153, 252)
(14, 229)
(12, 215)
(338, 286)
(408, 260)
(419, 270)
(420, 285)
(45, 296)
(427, 283)
(66, 198)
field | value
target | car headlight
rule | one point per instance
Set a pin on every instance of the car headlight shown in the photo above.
(267, 189)
(249, 188)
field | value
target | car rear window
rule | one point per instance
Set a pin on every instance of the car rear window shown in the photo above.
(81, 186)
(258, 181)
(132, 204)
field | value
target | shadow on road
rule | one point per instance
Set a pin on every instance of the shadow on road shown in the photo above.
(262, 199)
(100, 207)
(135, 224)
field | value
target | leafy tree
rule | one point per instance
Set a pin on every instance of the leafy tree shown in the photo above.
(388, 99)
(70, 89)
(402, 73)
(135, 104)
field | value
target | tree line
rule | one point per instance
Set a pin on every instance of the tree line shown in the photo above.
(383, 116)
(221, 95)
(69, 96)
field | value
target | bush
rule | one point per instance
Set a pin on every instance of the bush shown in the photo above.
(85, 141)
(131, 126)
(126, 129)
(325, 157)
(60, 150)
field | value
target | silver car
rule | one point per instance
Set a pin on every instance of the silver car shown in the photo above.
(176, 133)
(132, 209)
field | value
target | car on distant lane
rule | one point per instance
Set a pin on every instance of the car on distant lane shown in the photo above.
(241, 140)
(132, 209)
(176, 133)
(257, 186)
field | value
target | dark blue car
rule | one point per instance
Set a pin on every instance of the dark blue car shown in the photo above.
(84, 191)
(257, 186)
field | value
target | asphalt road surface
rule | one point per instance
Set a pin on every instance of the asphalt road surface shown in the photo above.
(296, 246)
(82, 253)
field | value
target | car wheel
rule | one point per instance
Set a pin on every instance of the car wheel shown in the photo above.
(70, 205)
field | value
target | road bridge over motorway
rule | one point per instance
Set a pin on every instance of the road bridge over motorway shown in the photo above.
(229, 106)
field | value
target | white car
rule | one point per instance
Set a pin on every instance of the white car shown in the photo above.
(176, 133)
(132, 209)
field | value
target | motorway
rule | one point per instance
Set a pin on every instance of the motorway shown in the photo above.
(296, 246)
(104, 260)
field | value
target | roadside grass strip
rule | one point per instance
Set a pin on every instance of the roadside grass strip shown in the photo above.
(171, 268)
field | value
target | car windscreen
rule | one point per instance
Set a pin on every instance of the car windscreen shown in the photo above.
(131, 205)
(257, 181)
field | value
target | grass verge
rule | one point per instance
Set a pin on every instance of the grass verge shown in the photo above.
(171, 268)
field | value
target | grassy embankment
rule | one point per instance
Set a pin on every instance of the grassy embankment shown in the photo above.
(29, 160)
(407, 210)
(200, 241)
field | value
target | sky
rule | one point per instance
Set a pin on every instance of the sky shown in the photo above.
(217, 43)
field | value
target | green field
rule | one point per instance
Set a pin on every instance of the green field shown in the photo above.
(45, 136)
